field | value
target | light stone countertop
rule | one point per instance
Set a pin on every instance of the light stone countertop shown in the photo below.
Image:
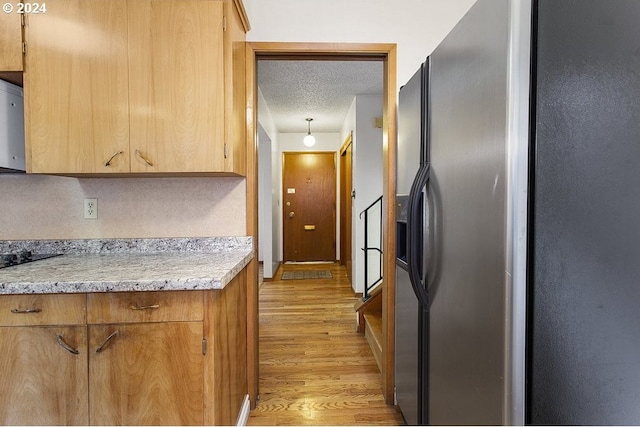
(120, 272)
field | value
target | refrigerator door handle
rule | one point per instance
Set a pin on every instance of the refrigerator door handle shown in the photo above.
(414, 241)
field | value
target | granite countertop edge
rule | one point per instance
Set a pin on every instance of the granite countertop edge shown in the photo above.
(88, 271)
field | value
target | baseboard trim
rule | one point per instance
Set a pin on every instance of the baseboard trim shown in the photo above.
(243, 416)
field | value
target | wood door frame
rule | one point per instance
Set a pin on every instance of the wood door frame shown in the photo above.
(346, 208)
(282, 189)
(385, 52)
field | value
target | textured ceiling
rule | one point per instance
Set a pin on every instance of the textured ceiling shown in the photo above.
(322, 90)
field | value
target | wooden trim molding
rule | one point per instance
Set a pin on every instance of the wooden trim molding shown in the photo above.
(346, 143)
(252, 227)
(385, 52)
(389, 144)
(320, 51)
(243, 15)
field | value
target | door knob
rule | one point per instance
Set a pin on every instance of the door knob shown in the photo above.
(291, 214)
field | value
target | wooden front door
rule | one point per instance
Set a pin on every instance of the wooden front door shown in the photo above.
(309, 206)
(346, 187)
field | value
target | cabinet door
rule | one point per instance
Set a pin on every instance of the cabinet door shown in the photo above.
(76, 88)
(10, 41)
(235, 96)
(146, 374)
(41, 381)
(176, 85)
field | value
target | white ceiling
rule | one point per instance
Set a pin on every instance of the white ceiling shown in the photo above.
(319, 89)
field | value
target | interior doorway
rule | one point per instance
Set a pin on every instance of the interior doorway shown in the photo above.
(309, 206)
(386, 53)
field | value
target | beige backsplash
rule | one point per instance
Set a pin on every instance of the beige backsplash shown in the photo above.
(51, 207)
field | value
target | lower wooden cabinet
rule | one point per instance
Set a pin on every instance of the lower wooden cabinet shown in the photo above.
(138, 358)
(146, 374)
(43, 375)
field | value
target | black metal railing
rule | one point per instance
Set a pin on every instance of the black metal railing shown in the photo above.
(369, 234)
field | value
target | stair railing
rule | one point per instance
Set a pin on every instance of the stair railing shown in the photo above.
(368, 234)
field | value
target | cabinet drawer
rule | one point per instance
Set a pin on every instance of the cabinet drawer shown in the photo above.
(134, 307)
(58, 309)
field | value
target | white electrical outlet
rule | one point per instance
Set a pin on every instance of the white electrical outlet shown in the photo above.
(90, 208)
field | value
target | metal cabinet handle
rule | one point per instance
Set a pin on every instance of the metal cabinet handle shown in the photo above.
(66, 346)
(107, 341)
(144, 307)
(147, 161)
(108, 163)
(27, 310)
(292, 214)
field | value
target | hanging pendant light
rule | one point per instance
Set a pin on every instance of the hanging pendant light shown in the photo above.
(309, 140)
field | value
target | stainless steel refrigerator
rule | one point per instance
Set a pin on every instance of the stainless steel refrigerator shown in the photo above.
(518, 233)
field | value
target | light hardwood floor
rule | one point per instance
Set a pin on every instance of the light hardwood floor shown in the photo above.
(314, 368)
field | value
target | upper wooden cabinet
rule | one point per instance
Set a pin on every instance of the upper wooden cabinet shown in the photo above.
(10, 41)
(76, 88)
(176, 85)
(136, 86)
(236, 26)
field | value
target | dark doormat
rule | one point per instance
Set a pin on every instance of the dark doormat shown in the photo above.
(306, 274)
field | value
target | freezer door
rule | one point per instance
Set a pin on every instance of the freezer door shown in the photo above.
(585, 290)
(468, 133)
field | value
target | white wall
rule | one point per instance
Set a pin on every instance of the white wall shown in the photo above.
(416, 26)
(367, 177)
(349, 123)
(368, 183)
(269, 227)
(265, 212)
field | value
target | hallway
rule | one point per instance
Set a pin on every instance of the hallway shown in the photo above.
(314, 368)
